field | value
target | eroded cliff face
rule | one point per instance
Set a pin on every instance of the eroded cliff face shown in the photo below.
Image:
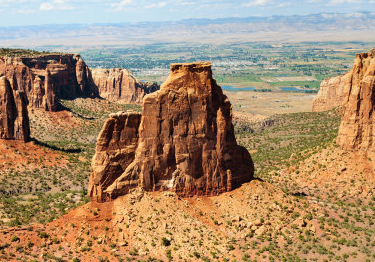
(357, 123)
(120, 85)
(330, 93)
(184, 143)
(14, 119)
(115, 150)
(47, 78)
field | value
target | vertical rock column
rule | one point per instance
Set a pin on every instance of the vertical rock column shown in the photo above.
(357, 123)
(14, 119)
(186, 141)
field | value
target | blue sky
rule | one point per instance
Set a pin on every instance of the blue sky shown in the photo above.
(33, 12)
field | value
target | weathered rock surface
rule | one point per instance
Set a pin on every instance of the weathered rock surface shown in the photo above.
(185, 142)
(14, 119)
(47, 78)
(357, 123)
(330, 93)
(120, 85)
(115, 150)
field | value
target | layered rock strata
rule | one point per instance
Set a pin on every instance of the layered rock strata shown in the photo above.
(330, 93)
(14, 119)
(47, 78)
(357, 123)
(120, 85)
(183, 142)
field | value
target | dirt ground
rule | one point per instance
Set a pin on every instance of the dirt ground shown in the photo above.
(259, 104)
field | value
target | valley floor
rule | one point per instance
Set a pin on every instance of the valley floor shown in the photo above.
(311, 201)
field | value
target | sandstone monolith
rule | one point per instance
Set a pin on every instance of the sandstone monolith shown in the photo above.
(357, 123)
(185, 142)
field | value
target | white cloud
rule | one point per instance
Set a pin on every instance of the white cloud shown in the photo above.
(256, 3)
(122, 5)
(284, 4)
(186, 3)
(46, 6)
(55, 5)
(157, 5)
(337, 2)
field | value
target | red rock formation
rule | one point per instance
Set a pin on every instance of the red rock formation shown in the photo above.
(357, 123)
(14, 120)
(46, 78)
(115, 150)
(185, 142)
(120, 85)
(330, 93)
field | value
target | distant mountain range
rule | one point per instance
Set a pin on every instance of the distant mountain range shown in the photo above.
(314, 27)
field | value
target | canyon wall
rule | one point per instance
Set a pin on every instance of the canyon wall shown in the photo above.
(117, 84)
(330, 93)
(47, 78)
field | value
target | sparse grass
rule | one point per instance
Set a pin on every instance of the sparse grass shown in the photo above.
(22, 52)
(35, 192)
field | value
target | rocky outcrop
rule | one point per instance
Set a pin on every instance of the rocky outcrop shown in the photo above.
(120, 85)
(184, 143)
(357, 123)
(47, 78)
(14, 119)
(115, 150)
(330, 93)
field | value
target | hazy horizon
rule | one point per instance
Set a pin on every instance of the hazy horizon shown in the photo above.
(56, 12)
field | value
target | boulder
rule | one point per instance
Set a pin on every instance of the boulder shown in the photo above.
(185, 142)
(14, 119)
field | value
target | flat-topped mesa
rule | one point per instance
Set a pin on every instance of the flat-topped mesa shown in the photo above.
(357, 123)
(117, 84)
(330, 93)
(185, 142)
(47, 78)
(14, 119)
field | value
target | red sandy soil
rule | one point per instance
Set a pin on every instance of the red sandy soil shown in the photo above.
(20, 153)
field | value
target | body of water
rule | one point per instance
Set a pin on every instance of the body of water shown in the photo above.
(295, 89)
(235, 89)
(284, 88)
(291, 88)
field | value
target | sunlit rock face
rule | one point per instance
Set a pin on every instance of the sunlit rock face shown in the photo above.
(119, 85)
(330, 93)
(47, 78)
(183, 142)
(357, 123)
